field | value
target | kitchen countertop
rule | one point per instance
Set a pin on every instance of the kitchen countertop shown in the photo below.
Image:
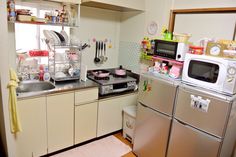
(60, 87)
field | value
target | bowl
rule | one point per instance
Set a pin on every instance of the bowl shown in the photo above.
(181, 37)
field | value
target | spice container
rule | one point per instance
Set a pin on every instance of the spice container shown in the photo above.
(196, 50)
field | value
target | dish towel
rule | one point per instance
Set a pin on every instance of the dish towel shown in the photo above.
(14, 118)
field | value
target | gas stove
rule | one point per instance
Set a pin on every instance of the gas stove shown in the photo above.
(114, 84)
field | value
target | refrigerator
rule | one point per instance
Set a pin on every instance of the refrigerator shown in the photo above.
(154, 116)
(204, 124)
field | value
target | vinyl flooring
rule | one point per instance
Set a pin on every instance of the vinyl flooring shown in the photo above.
(121, 138)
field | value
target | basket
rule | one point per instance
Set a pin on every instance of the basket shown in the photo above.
(181, 37)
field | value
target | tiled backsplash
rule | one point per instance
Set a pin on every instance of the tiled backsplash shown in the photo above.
(129, 55)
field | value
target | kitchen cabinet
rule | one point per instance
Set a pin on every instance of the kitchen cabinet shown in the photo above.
(85, 122)
(60, 121)
(66, 1)
(86, 106)
(32, 140)
(117, 5)
(110, 113)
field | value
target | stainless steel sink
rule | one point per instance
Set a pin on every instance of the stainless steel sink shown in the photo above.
(34, 86)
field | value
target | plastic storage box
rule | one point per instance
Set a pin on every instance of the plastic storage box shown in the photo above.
(129, 116)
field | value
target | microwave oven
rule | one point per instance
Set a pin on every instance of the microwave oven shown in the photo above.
(212, 73)
(170, 49)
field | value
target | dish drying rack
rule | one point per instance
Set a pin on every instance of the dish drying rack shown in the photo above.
(64, 61)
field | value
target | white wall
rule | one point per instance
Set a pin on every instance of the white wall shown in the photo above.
(134, 29)
(100, 24)
(134, 25)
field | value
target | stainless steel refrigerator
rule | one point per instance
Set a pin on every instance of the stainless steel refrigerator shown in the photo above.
(154, 115)
(204, 124)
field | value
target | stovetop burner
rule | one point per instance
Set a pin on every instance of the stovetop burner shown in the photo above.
(101, 78)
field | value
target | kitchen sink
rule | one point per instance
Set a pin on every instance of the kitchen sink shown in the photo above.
(34, 86)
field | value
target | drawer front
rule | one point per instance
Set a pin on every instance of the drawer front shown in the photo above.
(205, 112)
(157, 94)
(86, 96)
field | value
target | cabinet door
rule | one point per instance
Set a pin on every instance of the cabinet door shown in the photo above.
(215, 112)
(110, 113)
(151, 133)
(60, 118)
(160, 97)
(32, 141)
(85, 122)
(186, 141)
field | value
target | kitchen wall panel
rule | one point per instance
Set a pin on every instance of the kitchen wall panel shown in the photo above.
(100, 24)
(134, 28)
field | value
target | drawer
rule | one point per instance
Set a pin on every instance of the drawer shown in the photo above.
(210, 117)
(86, 96)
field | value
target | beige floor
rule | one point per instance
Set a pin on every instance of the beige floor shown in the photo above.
(120, 137)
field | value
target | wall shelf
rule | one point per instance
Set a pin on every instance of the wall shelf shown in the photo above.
(154, 58)
(42, 23)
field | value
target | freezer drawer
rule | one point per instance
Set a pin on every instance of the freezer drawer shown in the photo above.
(151, 133)
(202, 111)
(157, 94)
(186, 141)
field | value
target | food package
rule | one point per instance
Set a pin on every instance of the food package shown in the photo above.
(26, 18)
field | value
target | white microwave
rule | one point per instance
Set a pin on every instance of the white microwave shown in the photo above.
(213, 73)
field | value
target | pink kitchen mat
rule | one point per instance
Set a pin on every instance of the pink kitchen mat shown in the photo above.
(106, 147)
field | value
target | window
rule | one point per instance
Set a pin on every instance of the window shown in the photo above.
(30, 36)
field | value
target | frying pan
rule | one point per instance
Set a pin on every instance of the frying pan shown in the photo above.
(101, 73)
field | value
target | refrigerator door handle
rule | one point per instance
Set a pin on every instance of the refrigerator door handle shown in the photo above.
(157, 112)
(185, 124)
(198, 131)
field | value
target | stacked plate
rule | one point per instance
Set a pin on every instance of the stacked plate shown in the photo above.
(55, 37)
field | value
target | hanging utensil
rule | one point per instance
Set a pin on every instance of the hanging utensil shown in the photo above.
(96, 59)
(105, 57)
(101, 55)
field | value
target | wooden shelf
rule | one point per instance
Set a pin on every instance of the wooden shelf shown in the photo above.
(42, 23)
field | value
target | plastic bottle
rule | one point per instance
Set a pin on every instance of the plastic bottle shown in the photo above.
(46, 75)
(11, 10)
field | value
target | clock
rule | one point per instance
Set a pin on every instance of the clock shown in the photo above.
(152, 28)
(215, 49)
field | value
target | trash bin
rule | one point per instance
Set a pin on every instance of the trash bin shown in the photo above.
(129, 116)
